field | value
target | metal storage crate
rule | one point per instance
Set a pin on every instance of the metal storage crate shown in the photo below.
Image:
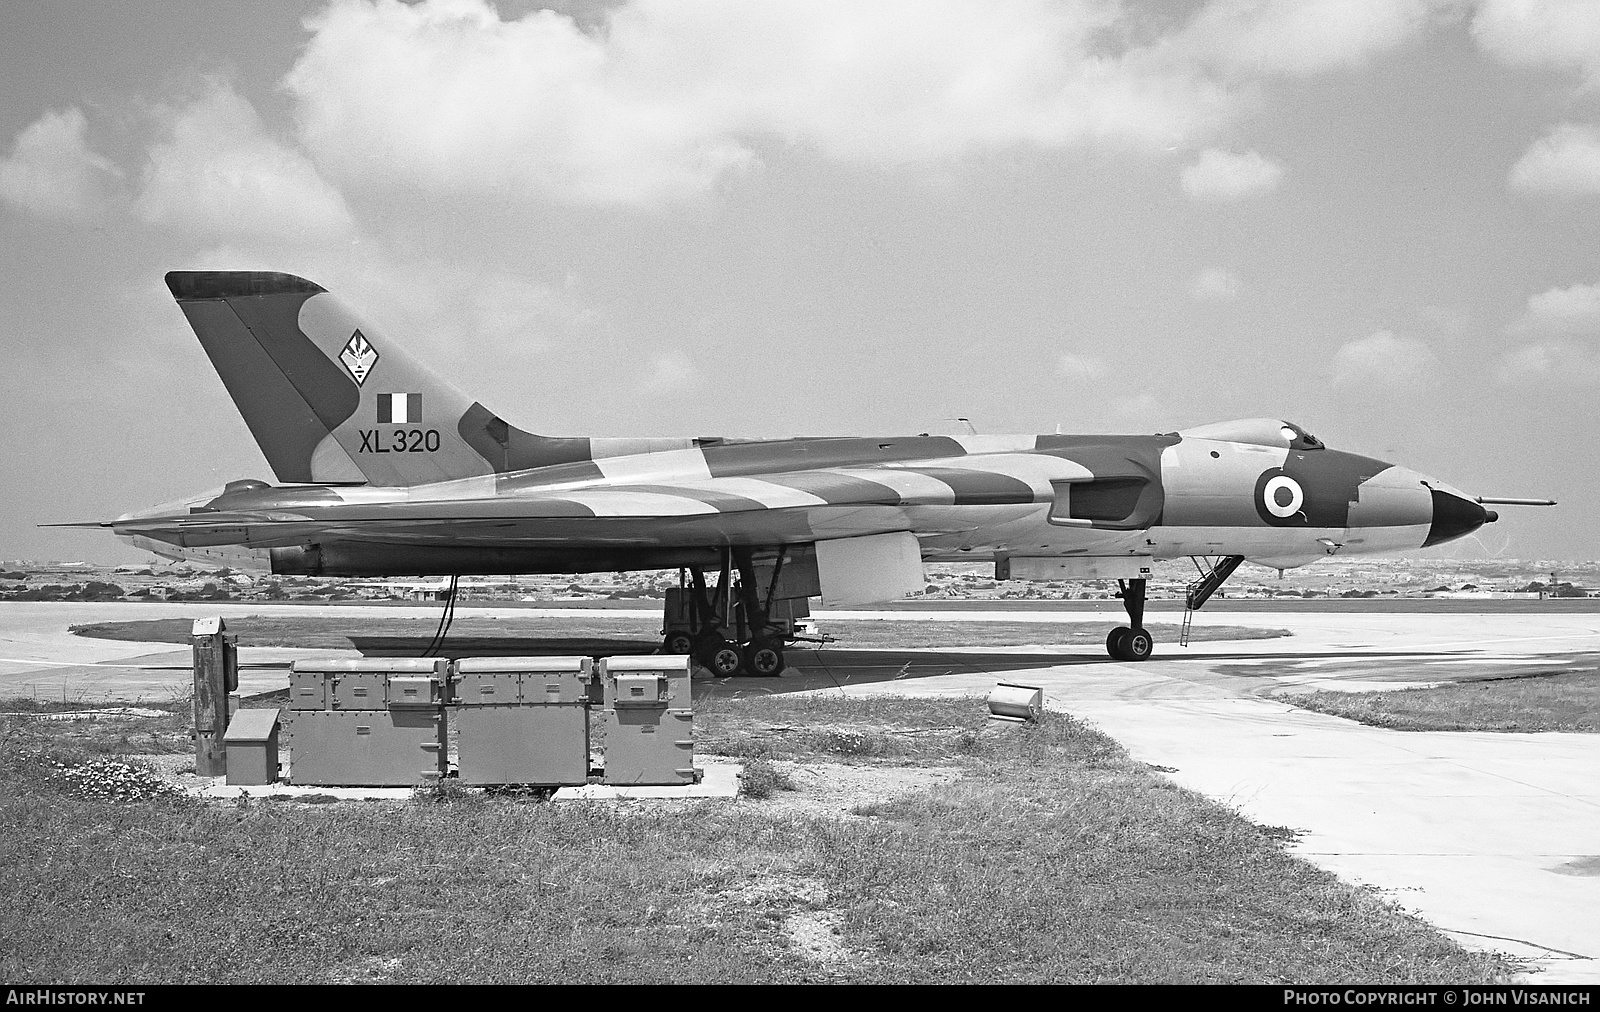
(649, 721)
(367, 722)
(367, 748)
(521, 720)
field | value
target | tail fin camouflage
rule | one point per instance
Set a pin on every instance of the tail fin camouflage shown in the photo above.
(329, 398)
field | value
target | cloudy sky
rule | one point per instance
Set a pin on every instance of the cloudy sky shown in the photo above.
(1378, 218)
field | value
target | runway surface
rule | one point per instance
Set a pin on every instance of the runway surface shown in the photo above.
(1494, 838)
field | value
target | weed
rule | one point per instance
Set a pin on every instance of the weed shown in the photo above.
(445, 791)
(854, 742)
(760, 779)
(108, 780)
(970, 743)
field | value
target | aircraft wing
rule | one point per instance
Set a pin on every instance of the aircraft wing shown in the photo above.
(792, 507)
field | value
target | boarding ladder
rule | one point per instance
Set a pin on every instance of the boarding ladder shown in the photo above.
(1214, 571)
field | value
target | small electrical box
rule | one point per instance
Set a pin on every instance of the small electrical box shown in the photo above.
(252, 743)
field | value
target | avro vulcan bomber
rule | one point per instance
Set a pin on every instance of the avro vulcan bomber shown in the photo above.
(385, 469)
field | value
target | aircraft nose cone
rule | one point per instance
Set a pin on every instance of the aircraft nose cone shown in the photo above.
(1453, 516)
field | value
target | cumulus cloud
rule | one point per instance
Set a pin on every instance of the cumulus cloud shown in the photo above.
(1215, 284)
(1565, 362)
(1223, 175)
(1551, 34)
(1566, 160)
(1253, 37)
(1385, 360)
(215, 170)
(1080, 368)
(1560, 328)
(667, 98)
(1561, 312)
(51, 171)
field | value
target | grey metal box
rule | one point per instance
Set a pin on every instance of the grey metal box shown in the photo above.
(649, 746)
(416, 690)
(649, 688)
(353, 684)
(252, 743)
(485, 688)
(672, 667)
(553, 687)
(649, 720)
(542, 745)
(367, 748)
(308, 690)
(358, 690)
(532, 680)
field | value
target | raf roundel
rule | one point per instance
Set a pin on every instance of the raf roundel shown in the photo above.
(1282, 496)
(1280, 499)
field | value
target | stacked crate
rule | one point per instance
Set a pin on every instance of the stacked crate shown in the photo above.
(369, 722)
(649, 721)
(521, 720)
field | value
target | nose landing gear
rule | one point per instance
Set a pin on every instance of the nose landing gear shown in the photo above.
(1131, 642)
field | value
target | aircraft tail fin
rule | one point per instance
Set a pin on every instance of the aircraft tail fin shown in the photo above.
(330, 398)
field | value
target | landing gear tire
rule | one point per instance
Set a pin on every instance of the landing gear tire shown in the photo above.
(1138, 646)
(723, 658)
(1115, 640)
(764, 659)
(678, 642)
(1126, 644)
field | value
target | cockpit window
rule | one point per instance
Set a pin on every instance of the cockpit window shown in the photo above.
(1257, 431)
(1299, 438)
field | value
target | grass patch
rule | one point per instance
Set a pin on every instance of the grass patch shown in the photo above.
(108, 734)
(909, 731)
(1569, 701)
(333, 633)
(1054, 858)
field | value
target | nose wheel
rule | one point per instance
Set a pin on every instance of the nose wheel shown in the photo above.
(1126, 644)
(1131, 642)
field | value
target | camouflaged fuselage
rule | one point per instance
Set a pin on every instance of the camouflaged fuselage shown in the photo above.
(966, 498)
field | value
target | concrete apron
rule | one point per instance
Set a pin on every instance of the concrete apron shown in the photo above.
(1490, 837)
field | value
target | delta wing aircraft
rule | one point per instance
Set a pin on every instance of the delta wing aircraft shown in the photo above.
(384, 469)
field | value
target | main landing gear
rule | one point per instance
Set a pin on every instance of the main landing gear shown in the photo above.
(734, 627)
(1131, 642)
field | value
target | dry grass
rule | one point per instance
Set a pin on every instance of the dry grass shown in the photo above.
(1052, 858)
(1569, 701)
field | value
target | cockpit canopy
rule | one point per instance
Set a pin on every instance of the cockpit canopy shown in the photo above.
(1257, 431)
